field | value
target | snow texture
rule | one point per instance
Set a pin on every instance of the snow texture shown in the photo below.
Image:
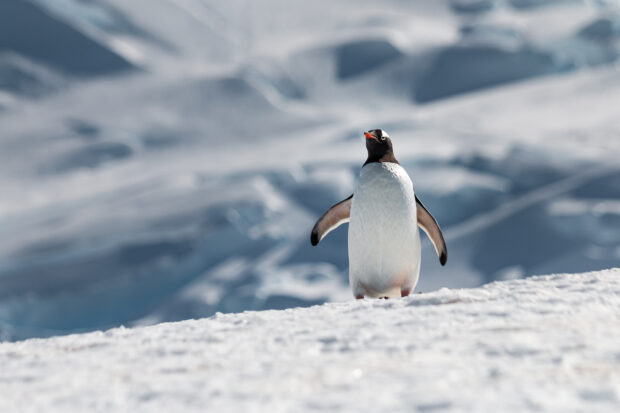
(547, 343)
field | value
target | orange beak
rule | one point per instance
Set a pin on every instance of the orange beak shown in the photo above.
(369, 136)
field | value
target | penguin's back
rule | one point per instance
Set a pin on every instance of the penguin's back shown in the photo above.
(384, 241)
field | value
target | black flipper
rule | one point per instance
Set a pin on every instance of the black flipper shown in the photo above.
(332, 219)
(430, 226)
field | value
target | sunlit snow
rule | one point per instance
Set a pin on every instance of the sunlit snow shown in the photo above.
(545, 343)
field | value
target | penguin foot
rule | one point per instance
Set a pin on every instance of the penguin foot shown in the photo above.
(405, 292)
(359, 297)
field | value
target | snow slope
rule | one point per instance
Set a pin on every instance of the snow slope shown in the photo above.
(547, 343)
(180, 176)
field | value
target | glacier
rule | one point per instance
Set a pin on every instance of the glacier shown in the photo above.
(180, 176)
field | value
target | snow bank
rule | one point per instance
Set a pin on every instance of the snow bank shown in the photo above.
(547, 343)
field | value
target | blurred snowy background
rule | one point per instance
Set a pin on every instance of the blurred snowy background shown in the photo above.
(163, 160)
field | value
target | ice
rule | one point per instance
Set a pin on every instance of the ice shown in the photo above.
(361, 56)
(188, 186)
(23, 77)
(603, 29)
(462, 69)
(54, 43)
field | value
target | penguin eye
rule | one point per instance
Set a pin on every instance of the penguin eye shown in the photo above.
(382, 137)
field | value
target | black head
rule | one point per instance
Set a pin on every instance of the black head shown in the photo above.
(379, 146)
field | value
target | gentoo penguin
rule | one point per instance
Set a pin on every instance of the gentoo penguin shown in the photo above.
(383, 215)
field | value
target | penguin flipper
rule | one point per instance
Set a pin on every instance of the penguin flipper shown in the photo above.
(334, 217)
(430, 226)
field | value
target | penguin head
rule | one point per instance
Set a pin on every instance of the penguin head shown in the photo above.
(378, 142)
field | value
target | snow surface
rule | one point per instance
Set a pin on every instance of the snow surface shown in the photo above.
(175, 167)
(547, 343)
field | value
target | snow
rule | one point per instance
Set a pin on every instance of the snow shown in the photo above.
(546, 343)
(181, 176)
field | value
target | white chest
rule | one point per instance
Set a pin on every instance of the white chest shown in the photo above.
(384, 242)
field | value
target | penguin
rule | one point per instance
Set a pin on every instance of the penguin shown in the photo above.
(383, 215)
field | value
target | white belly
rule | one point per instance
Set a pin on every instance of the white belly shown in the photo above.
(384, 241)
